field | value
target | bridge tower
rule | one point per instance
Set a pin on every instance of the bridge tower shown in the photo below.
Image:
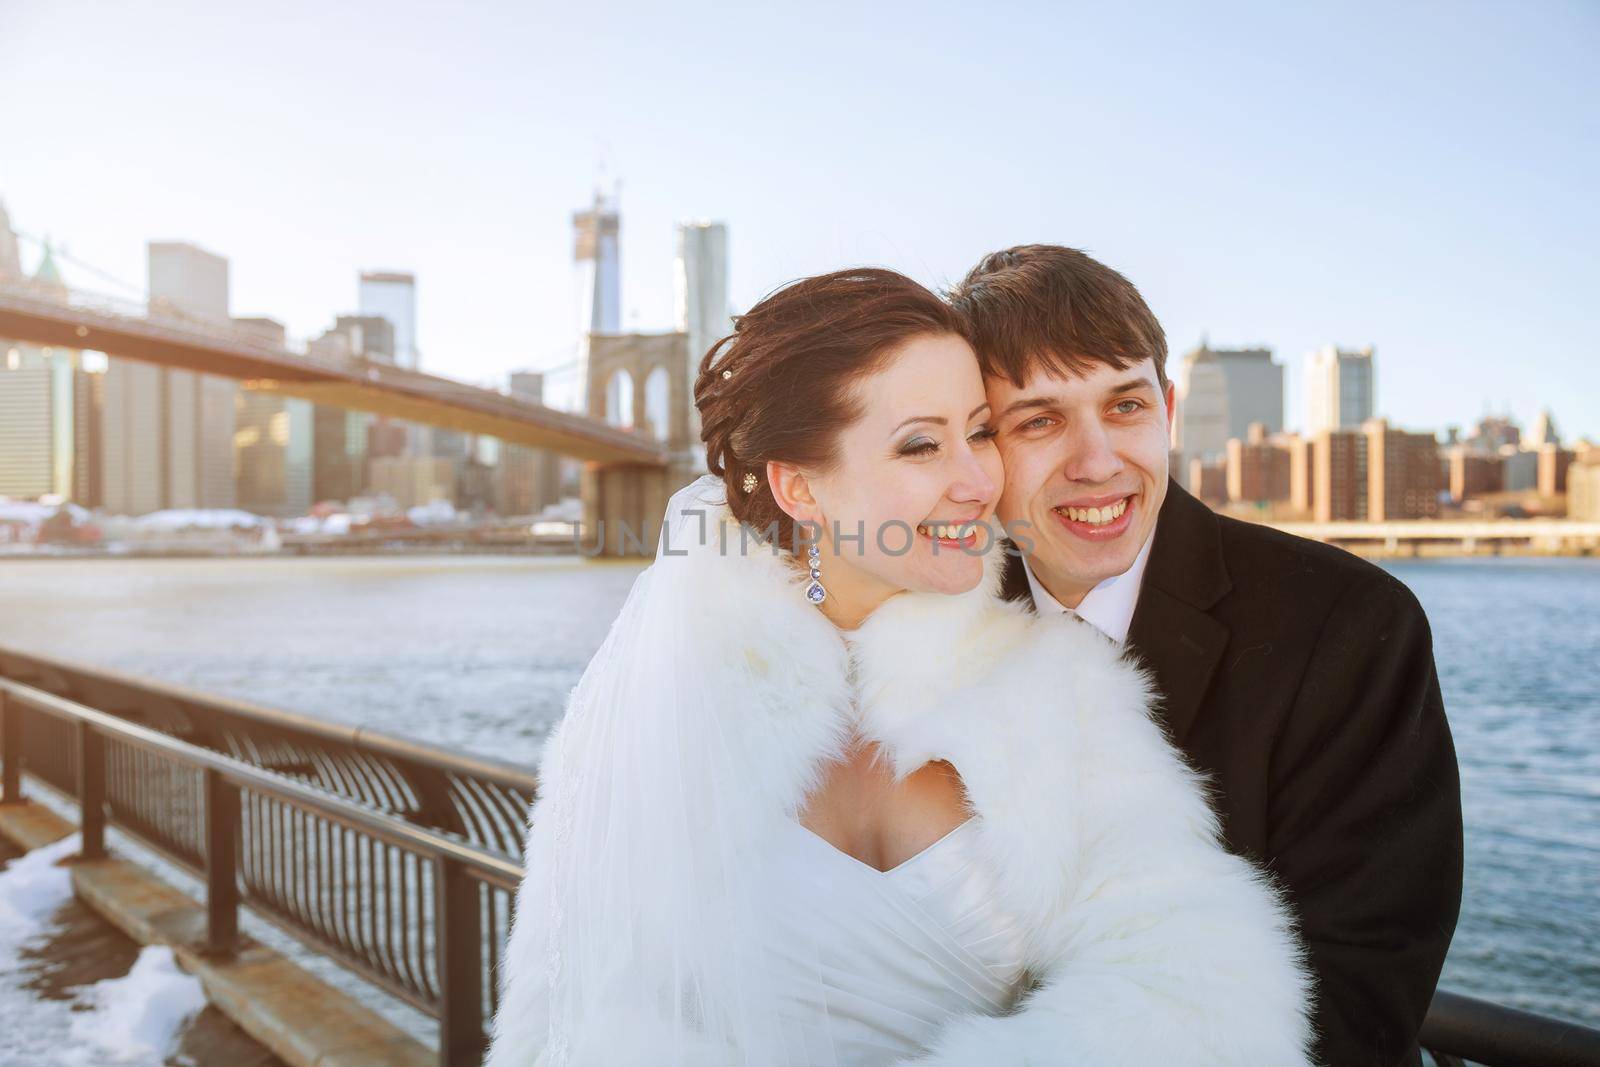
(640, 382)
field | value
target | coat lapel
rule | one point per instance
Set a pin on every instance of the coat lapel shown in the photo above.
(1172, 631)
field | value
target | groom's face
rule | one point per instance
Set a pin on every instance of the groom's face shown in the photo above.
(1086, 470)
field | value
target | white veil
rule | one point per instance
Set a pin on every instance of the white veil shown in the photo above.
(640, 924)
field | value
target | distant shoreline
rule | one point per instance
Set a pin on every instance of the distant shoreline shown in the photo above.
(1366, 550)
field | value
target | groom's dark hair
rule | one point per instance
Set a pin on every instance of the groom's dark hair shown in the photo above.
(1058, 307)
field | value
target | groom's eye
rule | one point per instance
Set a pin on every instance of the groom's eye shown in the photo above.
(1038, 422)
(1126, 407)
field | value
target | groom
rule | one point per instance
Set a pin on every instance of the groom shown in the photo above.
(1298, 678)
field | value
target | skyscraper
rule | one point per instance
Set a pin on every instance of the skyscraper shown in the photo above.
(131, 452)
(393, 295)
(36, 425)
(701, 292)
(272, 442)
(597, 253)
(1341, 388)
(340, 437)
(37, 444)
(1221, 393)
(197, 422)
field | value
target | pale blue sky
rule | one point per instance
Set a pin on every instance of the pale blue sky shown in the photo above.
(1419, 176)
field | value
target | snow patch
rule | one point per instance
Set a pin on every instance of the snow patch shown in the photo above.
(435, 513)
(139, 1017)
(200, 519)
(32, 892)
(34, 513)
(32, 889)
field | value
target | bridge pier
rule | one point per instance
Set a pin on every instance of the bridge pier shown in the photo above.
(623, 503)
(623, 506)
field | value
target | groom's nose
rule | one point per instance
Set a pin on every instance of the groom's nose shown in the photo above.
(1089, 454)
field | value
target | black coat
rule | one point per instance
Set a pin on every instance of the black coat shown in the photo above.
(1300, 679)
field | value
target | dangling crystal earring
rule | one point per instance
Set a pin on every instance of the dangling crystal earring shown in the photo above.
(814, 592)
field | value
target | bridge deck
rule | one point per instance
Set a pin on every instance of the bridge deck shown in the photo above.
(36, 316)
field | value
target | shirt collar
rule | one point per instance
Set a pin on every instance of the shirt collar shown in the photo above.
(1108, 607)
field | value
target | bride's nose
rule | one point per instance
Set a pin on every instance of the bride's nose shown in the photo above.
(971, 484)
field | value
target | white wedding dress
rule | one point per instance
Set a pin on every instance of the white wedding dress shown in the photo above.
(900, 952)
(675, 912)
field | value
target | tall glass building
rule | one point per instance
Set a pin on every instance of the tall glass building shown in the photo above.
(37, 444)
(1341, 388)
(37, 447)
(597, 255)
(272, 442)
(393, 295)
(701, 295)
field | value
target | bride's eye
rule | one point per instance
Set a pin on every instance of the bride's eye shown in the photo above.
(919, 446)
(983, 433)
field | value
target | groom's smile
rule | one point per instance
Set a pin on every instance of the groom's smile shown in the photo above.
(1086, 469)
(1097, 518)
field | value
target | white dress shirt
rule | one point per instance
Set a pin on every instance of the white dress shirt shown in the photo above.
(1108, 607)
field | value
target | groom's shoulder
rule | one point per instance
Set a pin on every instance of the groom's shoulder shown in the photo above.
(1270, 564)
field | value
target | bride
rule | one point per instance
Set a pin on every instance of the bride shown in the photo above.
(822, 798)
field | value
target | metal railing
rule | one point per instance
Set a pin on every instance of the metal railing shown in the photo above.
(327, 832)
(1461, 1030)
(420, 913)
(482, 801)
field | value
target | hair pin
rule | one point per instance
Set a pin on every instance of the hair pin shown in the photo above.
(727, 374)
(750, 482)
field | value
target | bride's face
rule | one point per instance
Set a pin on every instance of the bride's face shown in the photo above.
(915, 472)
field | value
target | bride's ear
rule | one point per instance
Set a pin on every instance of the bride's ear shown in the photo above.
(792, 492)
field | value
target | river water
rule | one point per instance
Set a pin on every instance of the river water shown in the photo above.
(479, 652)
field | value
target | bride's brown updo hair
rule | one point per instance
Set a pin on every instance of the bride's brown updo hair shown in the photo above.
(780, 386)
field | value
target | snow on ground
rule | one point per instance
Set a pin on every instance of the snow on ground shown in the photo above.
(33, 513)
(32, 889)
(135, 1020)
(336, 523)
(138, 1018)
(199, 519)
(439, 512)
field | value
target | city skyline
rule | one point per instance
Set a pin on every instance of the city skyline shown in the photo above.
(1222, 393)
(1365, 180)
(592, 299)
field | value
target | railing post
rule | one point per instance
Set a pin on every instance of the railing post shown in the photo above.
(222, 857)
(459, 949)
(91, 792)
(10, 751)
